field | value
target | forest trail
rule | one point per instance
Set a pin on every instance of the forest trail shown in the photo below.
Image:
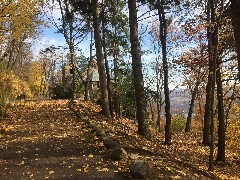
(44, 141)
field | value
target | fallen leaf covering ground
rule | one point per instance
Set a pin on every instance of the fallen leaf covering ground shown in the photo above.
(43, 140)
(186, 158)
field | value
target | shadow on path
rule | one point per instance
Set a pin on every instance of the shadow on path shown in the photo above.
(44, 141)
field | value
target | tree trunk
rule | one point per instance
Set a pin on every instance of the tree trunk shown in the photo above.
(86, 93)
(206, 122)
(221, 122)
(63, 75)
(207, 113)
(11, 53)
(235, 10)
(73, 72)
(158, 124)
(100, 61)
(108, 80)
(163, 36)
(152, 115)
(137, 71)
(70, 41)
(116, 96)
(191, 107)
(106, 66)
(214, 57)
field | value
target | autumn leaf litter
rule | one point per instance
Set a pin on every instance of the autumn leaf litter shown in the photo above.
(185, 158)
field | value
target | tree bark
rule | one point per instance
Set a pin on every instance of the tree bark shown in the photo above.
(86, 93)
(106, 65)
(137, 71)
(191, 107)
(100, 61)
(69, 39)
(116, 81)
(163, 36)
(63, 75)
(221, 122)
(214, 57)
(11, 53)
(159, 98)
(207, 112)
(235, 10)
(73, 72)
(108, 80)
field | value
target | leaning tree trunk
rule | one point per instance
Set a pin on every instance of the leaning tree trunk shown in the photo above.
(137, 71)
(235, 10)
(100, 61)
(73, 72)
(191, 107)
(163, 39)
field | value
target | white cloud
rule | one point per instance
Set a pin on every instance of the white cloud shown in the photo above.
(47, 41)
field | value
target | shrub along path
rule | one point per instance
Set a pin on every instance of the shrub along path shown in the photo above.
(43, 140)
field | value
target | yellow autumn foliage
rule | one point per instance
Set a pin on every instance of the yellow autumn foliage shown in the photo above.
(18, 19)
(35, 77)
(12, 86)
(233, 130)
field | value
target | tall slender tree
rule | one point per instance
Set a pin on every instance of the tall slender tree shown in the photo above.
(220, 95)
(72, 29)
(137, 71)
(163, 39)
(221, 116)
(116, 34)
(161, 6)
(213, 55)
(104, 29)
(100, 60)
(207, 114)
(158, 93)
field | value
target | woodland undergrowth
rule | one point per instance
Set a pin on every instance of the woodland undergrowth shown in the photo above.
(186, 157)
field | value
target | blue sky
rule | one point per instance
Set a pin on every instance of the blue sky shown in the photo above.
(50, 37)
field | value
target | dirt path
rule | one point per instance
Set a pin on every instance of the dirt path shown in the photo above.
(44, 141)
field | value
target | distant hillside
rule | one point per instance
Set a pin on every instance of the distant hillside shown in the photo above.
(180, 100)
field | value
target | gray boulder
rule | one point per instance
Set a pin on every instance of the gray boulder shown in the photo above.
(110, 143)
(118, 154)
(139, 169)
